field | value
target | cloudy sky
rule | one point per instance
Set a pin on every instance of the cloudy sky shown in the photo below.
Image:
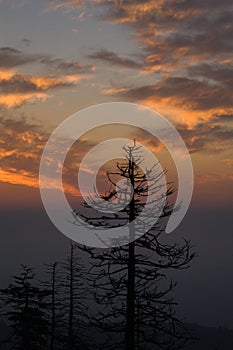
(175, 56)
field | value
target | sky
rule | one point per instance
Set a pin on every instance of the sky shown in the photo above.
(174, 56)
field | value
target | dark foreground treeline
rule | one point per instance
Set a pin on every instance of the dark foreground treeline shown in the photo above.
(80, 306)
(47, 314)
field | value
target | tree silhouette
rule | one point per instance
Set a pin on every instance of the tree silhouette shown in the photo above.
(55, 313)
(24, 306)
(74, 294)
(67, 310)
(130, 281)
(53, 272)
(49, 314)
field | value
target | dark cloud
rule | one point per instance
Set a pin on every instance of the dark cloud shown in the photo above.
(11, 57)
(114, 59)
(208, 136)
(26, 42)
(183, 92)
(60, 66)
(22, 84)
(221, 74)
(205, 34)
(199, 4)
(198, 27)
(12, 122)
(17, 88)
(188, 44)
(223, 118)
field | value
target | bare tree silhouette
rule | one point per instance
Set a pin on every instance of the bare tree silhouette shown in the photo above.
(131, 281)
(53, 272)
(55, 313)
(74, 294)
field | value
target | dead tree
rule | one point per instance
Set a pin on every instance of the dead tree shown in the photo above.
(130, 281)
(55, 313)
(74, 297)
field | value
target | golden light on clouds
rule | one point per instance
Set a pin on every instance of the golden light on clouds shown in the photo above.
(172, 56)
(16, 177)
(6, 74)
(14, 100)
(175, 108)
(46, 83)
(19, 89)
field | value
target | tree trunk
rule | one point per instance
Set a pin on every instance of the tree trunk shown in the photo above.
(130, 312)
(130, 316)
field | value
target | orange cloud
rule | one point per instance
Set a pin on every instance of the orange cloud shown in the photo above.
(6, 74)
(21, 147)
(45, 83)
(15, 100)
(18, 89)
(176, 108)
(16, 177)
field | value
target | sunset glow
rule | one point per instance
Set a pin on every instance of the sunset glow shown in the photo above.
(169, 56)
